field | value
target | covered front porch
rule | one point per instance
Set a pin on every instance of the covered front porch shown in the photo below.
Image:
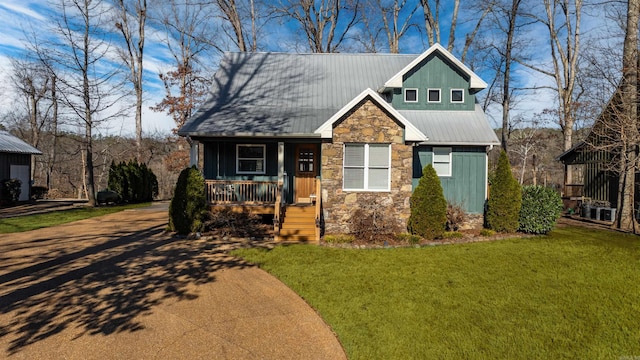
(268, 177)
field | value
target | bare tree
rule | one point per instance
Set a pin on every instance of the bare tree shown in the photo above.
(392, 18)
(502, 49)
(325, 23)
(130, 21)
(32, 81)
(476, 13)
(89, 87)
(562, 20)
(629, 135)
(188, 28)
(245, 18)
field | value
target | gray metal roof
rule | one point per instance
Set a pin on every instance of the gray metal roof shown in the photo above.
(453, 127)
(12, 144)
(279, 93)
(283, 94)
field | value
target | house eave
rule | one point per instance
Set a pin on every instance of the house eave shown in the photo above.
(201, 134)
(458, 143)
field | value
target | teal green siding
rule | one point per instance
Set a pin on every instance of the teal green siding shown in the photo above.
(434, 72)
(220, 162)
(466, 185)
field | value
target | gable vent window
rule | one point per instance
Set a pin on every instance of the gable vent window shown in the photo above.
(457, 95)
(250, 159)
(442, 160)
(367, 167)
(433, 95)
(411, 95)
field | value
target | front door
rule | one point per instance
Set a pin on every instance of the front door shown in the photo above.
(306, 172)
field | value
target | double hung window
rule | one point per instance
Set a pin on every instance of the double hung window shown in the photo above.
(442, 160)
(367, 167)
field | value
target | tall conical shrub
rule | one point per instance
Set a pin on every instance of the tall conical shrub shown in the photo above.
(189, 203)
(505, 198)
(428, 206)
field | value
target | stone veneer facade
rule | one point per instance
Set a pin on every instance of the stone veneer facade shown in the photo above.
(366, 123)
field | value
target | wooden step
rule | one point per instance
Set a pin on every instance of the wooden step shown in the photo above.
(300, 210)
(299, 237)
(298, 224)
(293, 232)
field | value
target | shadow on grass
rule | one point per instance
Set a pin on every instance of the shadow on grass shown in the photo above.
(98, 284)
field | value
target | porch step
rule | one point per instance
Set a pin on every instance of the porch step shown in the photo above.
(299, 224)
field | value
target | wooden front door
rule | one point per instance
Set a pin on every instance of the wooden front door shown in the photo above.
(306, 172)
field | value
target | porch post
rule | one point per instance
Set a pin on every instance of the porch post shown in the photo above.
(193, 153)
(280, 163)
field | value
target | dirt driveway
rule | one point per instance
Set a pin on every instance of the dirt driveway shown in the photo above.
(118, 287)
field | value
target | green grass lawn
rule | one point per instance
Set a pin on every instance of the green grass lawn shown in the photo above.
(573, 294)
(32, 222)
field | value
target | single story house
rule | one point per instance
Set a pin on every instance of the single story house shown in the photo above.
(311, 138)
(15, 162)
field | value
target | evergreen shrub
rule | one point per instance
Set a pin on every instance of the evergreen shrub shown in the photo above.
(428, 217)
(135, 183)
(541, 209)
(505, 199)
(11, 189)
(188, 206)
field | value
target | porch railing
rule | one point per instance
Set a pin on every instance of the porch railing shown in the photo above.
(241, 192)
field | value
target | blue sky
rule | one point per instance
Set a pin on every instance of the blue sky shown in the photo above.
(19, 16)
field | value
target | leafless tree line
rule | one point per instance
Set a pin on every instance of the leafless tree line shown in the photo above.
(79, 77)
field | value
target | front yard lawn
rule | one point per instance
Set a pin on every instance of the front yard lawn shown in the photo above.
(572, 294)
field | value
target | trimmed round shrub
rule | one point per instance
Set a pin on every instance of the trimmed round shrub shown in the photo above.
(505, 199)
(428, 206)
(188, 206)
(541, 209)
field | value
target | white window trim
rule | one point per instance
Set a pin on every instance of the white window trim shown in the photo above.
(433, 160)
(451, 96)
(366, 168)
(439, 95)
(417, 95)
(264, 159)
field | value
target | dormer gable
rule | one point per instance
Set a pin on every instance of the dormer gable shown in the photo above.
(475, 82)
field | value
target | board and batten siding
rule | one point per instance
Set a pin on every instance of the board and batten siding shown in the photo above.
(220, 161)
(8, 159)
(434, 72)
(467, 184)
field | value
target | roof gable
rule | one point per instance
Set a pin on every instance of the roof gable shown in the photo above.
(475, 81)
(411, 132)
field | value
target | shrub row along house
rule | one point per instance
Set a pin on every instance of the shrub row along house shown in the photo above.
(311, 138)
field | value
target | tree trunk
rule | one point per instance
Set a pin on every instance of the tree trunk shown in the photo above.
(625, 218)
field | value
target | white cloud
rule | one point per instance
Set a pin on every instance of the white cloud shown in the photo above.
(19, 7)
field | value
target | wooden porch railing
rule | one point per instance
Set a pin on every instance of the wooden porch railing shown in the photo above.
(241, 192)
